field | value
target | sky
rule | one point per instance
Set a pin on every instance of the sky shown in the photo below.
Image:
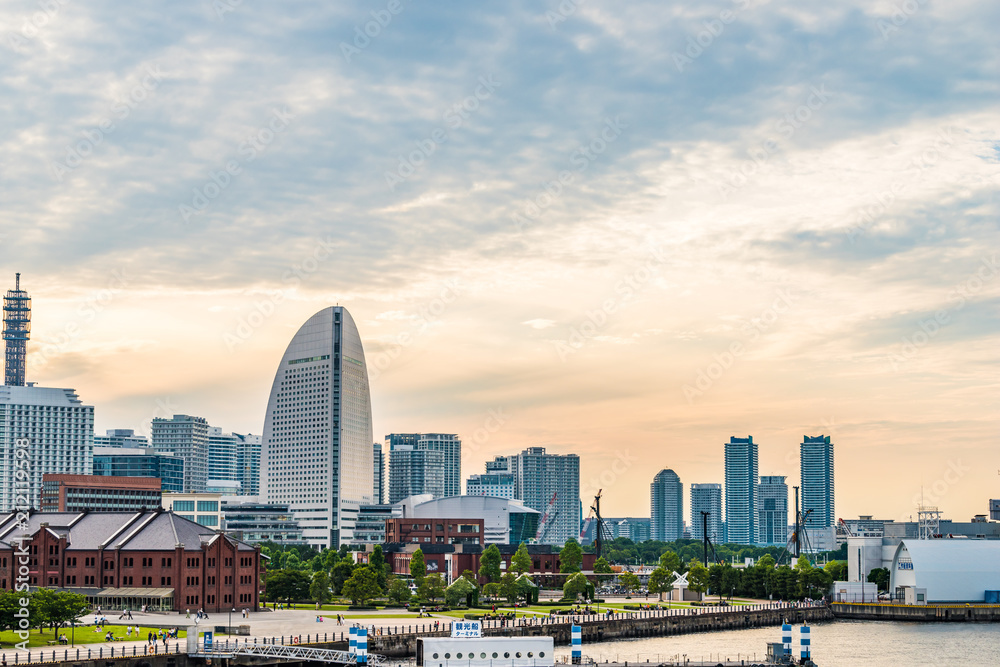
(623, 230)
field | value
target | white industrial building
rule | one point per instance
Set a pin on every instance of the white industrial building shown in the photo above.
(946, 570)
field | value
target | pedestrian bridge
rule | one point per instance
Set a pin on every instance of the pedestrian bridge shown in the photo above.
(294, 652)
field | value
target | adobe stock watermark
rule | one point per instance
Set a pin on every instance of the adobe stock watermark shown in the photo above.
(495, 420)
(79, 152)
(721, 362)
(952, 475)
(623, 461)
(595, 320)
(712, 30)
(248, 150)
(915, 171)
(929, 328)
(223, 7)
(363, 35)
(786, 126)
(22, 511)
(454, 117)
(425, 316)
(264, 308)
(563, 11)
(900, 16)
(93, 305)
(163, 408)
(33, 24)
(580, 159)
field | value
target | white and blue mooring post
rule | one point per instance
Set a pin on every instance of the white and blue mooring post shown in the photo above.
(362, 653)
(352, 647)
(577, 644)
(786, 638)
(804, 642)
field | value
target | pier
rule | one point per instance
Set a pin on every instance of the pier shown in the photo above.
(930, 613)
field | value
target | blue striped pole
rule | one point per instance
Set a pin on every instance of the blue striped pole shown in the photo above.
(804, 642)
(362, 646)
(352, 647)
(577, 644)
(786, 638)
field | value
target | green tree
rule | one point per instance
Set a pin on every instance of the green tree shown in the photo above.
(880, 577)
(603, 570)
(491, 590)
(54, 608)
(418, 568)
(431, 588)
(292, 561)
(731, 580)
(316, 563)
(629, 582)
(342, 571)
(697, 576)
(508, 587)
(570, 557)
(330, 558)
(837, 569)
(661, 581)
(459, 592)
(671, 562)
(489, 564)
(319, 589)
(288, 585)
(576, 586)
(399, 591)
(362, 586)
(521, 562)
(376, 563)
(526, 588)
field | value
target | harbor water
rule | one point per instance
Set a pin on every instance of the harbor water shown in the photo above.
(834, 644)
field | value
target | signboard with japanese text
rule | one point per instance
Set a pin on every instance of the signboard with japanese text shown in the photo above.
(467, 629)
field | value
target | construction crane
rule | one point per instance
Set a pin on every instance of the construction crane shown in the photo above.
(548, 516)
(799, 536)
(601, 531)
(847, 529)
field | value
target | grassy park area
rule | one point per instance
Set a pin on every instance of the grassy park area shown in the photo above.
(84, 634)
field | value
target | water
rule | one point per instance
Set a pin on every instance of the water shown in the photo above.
(834, 644)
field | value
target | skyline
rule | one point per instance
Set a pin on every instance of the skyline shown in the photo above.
(581, 231)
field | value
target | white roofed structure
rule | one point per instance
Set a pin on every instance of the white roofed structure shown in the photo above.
(951, 570)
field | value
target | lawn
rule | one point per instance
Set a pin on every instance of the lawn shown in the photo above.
(84, 635)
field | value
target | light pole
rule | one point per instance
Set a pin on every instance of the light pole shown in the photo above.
(229, 628)
(72, 623)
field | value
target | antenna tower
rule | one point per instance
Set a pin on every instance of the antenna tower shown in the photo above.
(16, 332)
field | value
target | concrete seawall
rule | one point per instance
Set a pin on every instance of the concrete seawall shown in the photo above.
(917, 613)
(601, 629)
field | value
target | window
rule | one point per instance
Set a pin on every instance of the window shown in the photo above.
(167, 562)
(208, 505)
(208, 520)
(183, 506)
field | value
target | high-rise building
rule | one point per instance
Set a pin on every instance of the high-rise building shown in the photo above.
(414, 471)
(666, 506)
(234, 457)
(816, 468)
(89, 493)
(378, 474)
(316, 454)
(772, 515)
(741, 490)
(42, 430)
(187, 437)
(549, 483)
(140, 462)
(449, 444)
(496, 484)
(120, 437)
(707, 498)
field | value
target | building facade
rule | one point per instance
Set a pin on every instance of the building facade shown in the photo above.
(706, 511)
(378, 474)
(666, 506)
(204, 509)
(772, 517)
(741, 490)
(187, 437)
(81, 493)
(550, 484)
(141, 462)
(130, 559)
(415, 472)
(42, 430)
(448, 444)
(316, 454)
(496, 484)
(434, 531)
(255, 522)
(120, 437)
(816, 468)
(504, 521)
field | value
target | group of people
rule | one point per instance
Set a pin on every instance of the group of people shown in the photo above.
(198, 617)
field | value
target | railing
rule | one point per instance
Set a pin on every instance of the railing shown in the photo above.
(69, 654)
(298, 652)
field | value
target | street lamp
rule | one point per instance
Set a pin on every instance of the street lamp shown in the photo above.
(229, 629)
(72, 623)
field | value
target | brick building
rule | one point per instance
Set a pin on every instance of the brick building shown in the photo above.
(434, 531)
(78, 493)
(131, 559)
